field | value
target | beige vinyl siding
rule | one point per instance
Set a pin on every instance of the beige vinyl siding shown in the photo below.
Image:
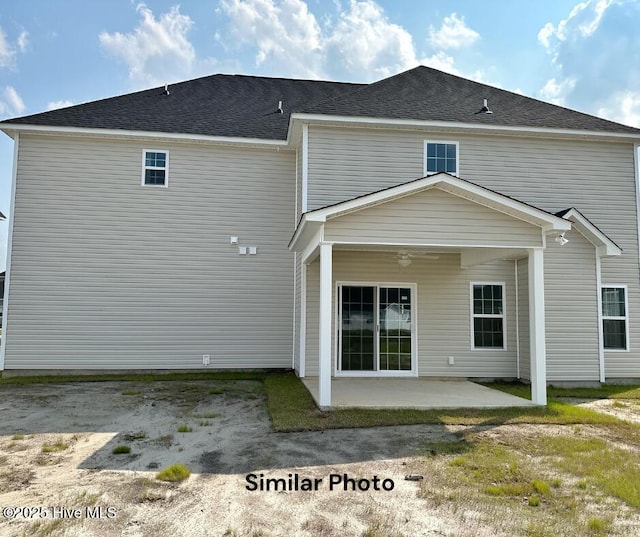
(443, 309)
(432, 217)
(108, 274)
(523, 318)
(596, 177)
(572, 310)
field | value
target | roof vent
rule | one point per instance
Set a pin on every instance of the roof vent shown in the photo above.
(484, 109)
(280, 110)
(166, 90)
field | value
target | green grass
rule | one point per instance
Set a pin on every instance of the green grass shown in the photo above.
(121, 450)
(174, 473)
(55, 447)
(606, 391)
(130, 392)
(291, 408)
(17, 436)
(137, 377)
(184, 429)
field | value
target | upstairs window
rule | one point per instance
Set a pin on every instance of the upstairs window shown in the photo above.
(155, 167)
(440, 156)
(614, 318)
(487, 315)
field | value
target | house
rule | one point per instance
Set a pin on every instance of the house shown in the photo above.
(422, 225)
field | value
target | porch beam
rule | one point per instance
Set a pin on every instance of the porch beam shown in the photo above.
(326, 286)
(470, 257)
(537, 328)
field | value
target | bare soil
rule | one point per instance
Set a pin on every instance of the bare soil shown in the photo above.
(77, 487)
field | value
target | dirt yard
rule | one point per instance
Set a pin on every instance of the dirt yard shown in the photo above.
(59, 475)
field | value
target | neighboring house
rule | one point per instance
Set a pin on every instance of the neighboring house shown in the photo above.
(250, 222)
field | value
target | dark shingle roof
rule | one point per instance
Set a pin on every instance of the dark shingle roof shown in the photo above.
(424, 93)
(217, 105)
(246, 106)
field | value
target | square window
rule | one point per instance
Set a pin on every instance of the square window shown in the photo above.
(155, 168)
(441, 157)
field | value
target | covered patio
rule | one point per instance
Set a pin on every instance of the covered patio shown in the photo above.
(414, 393)
(462, 227)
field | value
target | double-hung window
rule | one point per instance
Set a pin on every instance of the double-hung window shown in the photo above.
(487, 315)
(440, 156)
(615, 323)
(155, 167)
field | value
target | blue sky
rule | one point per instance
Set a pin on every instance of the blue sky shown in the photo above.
(583, 55)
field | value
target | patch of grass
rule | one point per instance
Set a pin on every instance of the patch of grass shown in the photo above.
(132, 437)
(86, 499)
(207, 415)
(130, 392)
(164, 440)
(582, 484)
(121, 450)
(18, 436)
(606, 391)
(541, 487)
(225, 375)
(534, 501)
(556, 482)
(44, 529)
(599, 526)
(55, 447)
(291, 408)
(184, 429)
(174, 473)
(216, 391)
(595, 461)
(204, 423)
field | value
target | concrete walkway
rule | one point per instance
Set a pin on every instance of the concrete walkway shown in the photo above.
(413, 393)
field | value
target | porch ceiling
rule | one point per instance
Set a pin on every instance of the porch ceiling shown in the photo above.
(417, 393)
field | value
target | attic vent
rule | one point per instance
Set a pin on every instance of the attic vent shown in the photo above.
(484, 109)
(280, 110)
(166, 90)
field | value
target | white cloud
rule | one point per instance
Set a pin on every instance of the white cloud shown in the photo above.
(23, 40)
(596, 53)
(14, 100)
(452, 34)
(11, 104)
(367, 44)
(158, 50)
(556, 92)
(623, 107)
(54, 105)
(7, 52)
(284, 33)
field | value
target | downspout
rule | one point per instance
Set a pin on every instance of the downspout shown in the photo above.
(515, 264)
(599, 306)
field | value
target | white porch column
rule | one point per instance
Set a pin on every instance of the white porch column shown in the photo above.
(302, 338)
(536, 328)
(326, 286)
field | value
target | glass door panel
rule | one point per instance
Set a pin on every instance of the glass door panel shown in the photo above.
(358, 328)
(394, 311)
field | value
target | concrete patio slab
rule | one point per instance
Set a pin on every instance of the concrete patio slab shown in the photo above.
(413, 393)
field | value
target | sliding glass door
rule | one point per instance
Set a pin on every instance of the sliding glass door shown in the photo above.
(375, 328)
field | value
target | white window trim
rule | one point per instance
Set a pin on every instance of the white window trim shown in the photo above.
(145, 167)
(337, 346)
(472, 316)
(424, 156)
(624, 318)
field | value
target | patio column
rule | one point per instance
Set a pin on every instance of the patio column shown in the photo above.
(537, 328)
(326, 286)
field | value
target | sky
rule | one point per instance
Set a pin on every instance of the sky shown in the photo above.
(582, 55)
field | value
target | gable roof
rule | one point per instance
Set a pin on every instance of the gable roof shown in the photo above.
(247, 106)
(311, 221)
(604, 245)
